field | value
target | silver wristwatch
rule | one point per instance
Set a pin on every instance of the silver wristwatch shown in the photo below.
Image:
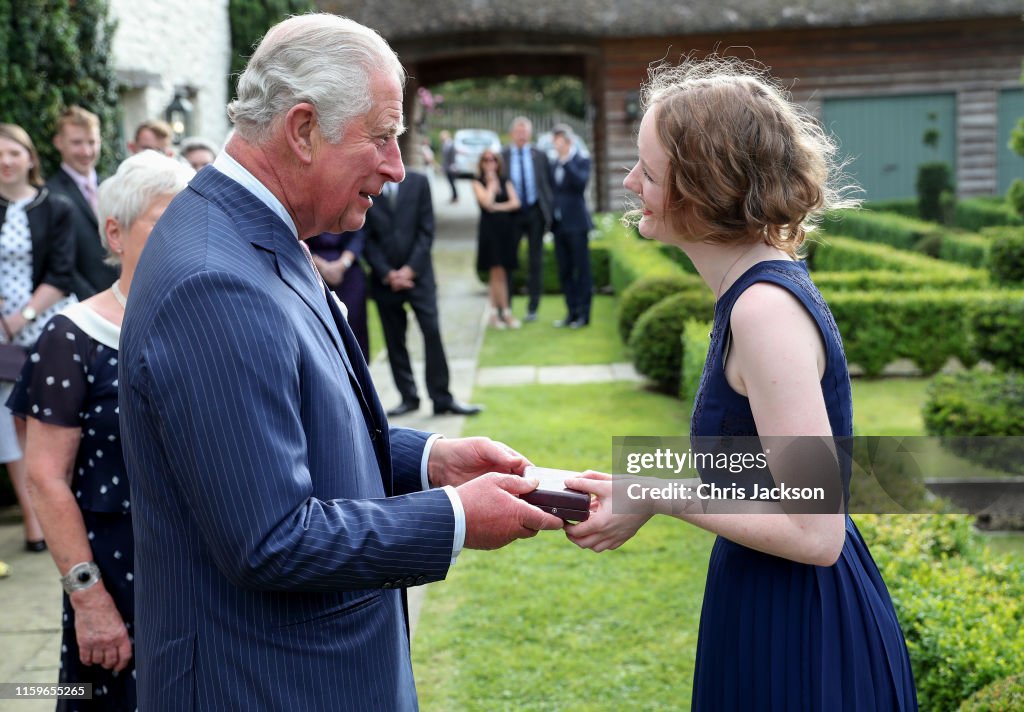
(80, 577)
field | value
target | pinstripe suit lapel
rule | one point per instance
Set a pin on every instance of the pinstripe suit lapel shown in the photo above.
(266, 231)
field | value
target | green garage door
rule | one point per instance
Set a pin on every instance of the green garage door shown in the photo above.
(884, 138)
(1011, 109)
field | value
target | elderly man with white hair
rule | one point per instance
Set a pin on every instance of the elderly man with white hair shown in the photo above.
(278, 517)
(68, 394)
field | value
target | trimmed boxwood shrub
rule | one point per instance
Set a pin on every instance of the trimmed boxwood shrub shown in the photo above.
(645, 293)
(656, 342)
(889, 228)
(960, 606)
(1006, 695)
(976, 213)
(1006, 254)
(926, 327)
(696, 340)
(872, 280)
(996, 323)
(839, 254)
(966, 248)
(975, 403)
(901, 206)
(933, 179)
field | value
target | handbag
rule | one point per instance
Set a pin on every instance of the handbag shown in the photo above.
(12, 356)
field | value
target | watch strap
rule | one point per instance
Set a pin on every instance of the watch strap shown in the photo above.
(80, 577)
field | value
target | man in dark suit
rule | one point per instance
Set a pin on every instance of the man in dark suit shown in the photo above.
(278, 517)
(528, 169)
(78, 141)
(571, 226)
(399, 236)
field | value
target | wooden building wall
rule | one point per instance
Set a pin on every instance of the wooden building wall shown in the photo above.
(974, 59)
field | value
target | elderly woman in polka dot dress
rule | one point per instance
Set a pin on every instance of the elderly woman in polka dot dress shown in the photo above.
(68, 395)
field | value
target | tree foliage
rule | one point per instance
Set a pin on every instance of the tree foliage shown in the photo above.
(250, 20)
(54, 54)
(531, 94)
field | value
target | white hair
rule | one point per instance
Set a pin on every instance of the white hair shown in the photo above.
(140, 179)
(319, 58)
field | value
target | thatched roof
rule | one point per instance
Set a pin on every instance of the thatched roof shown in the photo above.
(409, 19)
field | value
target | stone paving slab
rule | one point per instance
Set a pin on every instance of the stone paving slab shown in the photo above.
(526, 375)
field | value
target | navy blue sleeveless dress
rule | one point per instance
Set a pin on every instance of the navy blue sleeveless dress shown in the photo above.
(777, 635)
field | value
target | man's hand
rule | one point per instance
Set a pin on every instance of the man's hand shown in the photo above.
(495, 516)
(399, 280)
(456, 461)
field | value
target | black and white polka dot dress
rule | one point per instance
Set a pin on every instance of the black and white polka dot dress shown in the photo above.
(71, 380)
(16, 273)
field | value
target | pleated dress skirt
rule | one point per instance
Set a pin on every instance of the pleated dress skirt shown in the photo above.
(780, 636)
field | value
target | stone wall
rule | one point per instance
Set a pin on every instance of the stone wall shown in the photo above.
(161, 45)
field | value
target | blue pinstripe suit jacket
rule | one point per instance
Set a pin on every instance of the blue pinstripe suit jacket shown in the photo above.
(276, 514)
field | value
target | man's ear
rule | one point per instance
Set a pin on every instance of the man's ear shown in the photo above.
(300, 127)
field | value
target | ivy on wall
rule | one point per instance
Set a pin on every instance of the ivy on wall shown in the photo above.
(250, 20)
(53, 54)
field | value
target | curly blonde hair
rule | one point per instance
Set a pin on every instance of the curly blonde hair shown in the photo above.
(745, 162)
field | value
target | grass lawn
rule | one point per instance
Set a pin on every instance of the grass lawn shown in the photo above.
(888, 406)
(542, 625)
(540, 344)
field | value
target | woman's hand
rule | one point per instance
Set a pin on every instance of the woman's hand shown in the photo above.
(100, 630)
(604, 529)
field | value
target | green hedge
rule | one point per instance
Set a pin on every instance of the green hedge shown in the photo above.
(696, 339)
(898, 231)
(901, 206)
(960, 606)
(975, 403)
(966, 248)
(841, 254)
(1006, 695)
(926, 327)
(872, 280)
(656, 341)
(648, 291)
(1006, 254)
(996, 324)
(976, 213)
(907, 233)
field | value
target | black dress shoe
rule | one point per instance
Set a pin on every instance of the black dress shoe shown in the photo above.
(403, 408)
(579, 323)
(456, 408)
(35, 546)
(567, 321)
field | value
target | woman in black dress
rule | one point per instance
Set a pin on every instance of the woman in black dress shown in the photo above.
(496, 243)
(67, 393)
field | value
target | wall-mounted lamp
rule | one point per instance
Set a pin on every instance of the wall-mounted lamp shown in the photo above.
(633, 105)
(179, 115)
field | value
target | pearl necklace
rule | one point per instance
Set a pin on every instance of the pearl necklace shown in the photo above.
(118, 294)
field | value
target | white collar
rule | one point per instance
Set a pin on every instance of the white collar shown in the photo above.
(95, 326)
(238, 173)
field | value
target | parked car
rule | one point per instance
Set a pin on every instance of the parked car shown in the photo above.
(469, 144)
